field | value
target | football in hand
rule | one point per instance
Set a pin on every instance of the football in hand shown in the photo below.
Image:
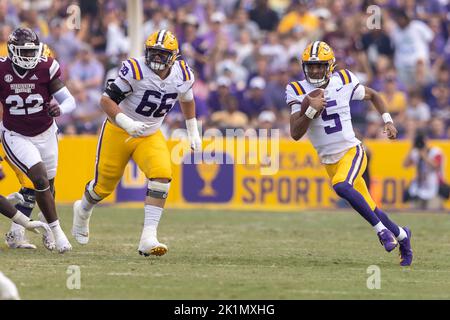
(305, 102)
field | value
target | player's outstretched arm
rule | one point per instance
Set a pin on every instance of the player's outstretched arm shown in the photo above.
(379, 104)
(187, 104)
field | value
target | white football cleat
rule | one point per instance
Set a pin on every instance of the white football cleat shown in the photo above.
(8, 290)
(47, 237)
(149, 244)
(16, 239)
(80, 227)
(63, 244)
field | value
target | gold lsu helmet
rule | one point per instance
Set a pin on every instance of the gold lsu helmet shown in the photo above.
(318, 53)
(161, 50)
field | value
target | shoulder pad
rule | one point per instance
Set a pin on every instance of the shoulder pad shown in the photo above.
(135, 69)
(345, 76)
(298, 88)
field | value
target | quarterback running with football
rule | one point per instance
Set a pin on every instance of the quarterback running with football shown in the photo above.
(327, 122)
(29, 132)
(136, 103)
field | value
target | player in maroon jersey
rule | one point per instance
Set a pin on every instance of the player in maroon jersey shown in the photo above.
(29, 133)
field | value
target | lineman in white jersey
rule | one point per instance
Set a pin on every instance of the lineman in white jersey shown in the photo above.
(136, 103)
(327, 121)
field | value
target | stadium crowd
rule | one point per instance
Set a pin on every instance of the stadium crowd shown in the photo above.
(244, 52)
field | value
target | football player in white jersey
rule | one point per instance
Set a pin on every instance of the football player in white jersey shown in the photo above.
(136, 103)
(327, 122)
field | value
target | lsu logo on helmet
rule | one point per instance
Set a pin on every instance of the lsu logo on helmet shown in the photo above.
(161, 50)
(318, 53)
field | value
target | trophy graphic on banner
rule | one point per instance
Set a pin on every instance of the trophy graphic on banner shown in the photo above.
(208, 172)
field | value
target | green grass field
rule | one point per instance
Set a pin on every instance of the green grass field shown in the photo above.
(236, 255)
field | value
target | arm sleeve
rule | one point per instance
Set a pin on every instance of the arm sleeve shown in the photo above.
(65, 100)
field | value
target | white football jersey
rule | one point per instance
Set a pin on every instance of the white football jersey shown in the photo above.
(150, 98)
(332, 132)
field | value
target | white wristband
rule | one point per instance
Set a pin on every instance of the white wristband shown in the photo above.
(387, 117)
(191, 126)
(123, 121)
(20, 218)
(310, 112)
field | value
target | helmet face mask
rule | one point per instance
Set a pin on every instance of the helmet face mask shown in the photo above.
(316, 73)
(24, 48)
(161, 50)
(158, 58)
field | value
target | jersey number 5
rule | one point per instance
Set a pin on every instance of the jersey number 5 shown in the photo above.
(148, 108)
(333, 116)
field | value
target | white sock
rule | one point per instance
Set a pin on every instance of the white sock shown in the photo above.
(152, 217)
(379, 227)
(16, 227)
(86, 205)
(402, 234)
(56, 229)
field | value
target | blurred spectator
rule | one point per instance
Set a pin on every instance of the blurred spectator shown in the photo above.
(266, 18)
(440, 101)
(417, 110)
(277, 87)
(256, 98)
(411, 39)
(230, 116)
(243, 24)
(87, 116)
(193, 47)
(157, 21)
(116, 41)
(395, 99)
(217, 99)
(31, 19)
(5, 30)
(424, 189)
(266, 120)
(299, 17)
(8, 15)
(87, 69)
(437, 129)
(62, 42)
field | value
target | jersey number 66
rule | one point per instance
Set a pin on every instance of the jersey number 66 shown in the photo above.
(149, 109)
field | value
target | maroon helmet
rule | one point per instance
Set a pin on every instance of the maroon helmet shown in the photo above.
(24, 48)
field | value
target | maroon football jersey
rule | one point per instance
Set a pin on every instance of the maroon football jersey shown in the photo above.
(23, 97)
